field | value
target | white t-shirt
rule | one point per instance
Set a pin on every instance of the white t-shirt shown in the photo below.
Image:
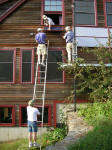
(32, 113)
(50, 21)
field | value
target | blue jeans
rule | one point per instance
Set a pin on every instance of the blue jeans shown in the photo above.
(32, 126)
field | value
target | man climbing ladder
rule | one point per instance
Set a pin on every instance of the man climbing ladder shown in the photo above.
(41, 48)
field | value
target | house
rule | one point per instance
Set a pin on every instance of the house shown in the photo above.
(19, 20)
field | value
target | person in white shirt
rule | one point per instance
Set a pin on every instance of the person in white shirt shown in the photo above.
(32, 113)
(48, 21)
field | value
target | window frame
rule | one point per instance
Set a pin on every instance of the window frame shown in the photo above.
(95, 13)
(54, 12)
(13, 116)
(44, 124)
(105, 14)
(14, 64)
(32, 69)
(63, 74)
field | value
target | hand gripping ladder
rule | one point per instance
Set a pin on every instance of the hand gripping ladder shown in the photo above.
(40, 88)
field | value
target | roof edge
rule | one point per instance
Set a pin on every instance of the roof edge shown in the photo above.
(3, 1)
(11, 9)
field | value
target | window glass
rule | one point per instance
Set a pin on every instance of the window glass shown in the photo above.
(59, 2)
(54, 56)
(23, 115)
(45, 119)
(47, 2)
(26, 72)
(6, 56)
(85, 19)
(26, 66)
(26, 56)
(53, 2)
(53, 8)
(85, 9)
(53, 5)
(109, 7)
(109, 20)
(54, 74)
(85, 13)
(59, 8)
(47, 8)
(6, 65)
(5, 115)
(109, 13)
(6, 72)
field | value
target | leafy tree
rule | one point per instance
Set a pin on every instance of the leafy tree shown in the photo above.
(94, 80)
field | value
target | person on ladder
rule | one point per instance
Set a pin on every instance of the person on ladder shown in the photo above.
(32, 113)
(69, 36)
(41, 48)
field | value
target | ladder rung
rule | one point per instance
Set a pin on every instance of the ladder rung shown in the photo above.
(39, 121)
(39, 91)
(43, 66)
(39, 98)
(41, 71)
(40, 84)
(74, 54)
(41, 78)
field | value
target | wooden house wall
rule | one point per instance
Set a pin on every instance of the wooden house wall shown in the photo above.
(100, 13)
(28, 14)
(68, 12)
(15, 31)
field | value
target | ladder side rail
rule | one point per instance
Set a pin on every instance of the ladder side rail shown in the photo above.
(35, 85)
(44, 85)
(44, 93)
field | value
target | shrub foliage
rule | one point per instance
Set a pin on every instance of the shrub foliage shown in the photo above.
(94, 80)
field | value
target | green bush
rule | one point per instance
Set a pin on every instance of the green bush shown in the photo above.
(99, 115)
(96, 112)
(52, 137)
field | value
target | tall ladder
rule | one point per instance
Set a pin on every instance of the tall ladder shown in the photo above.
(40, 88)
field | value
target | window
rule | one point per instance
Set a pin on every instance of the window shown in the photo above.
(54, 74)
(54, 9)
(85, 12)
(7, 66)
(46, 119)
(27, 65)
(7, 116)
(53, 5)
(108, 11)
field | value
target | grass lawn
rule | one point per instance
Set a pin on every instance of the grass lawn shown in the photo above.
(44, 140)
(21, 144)
(98, 139)
(100, 116)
